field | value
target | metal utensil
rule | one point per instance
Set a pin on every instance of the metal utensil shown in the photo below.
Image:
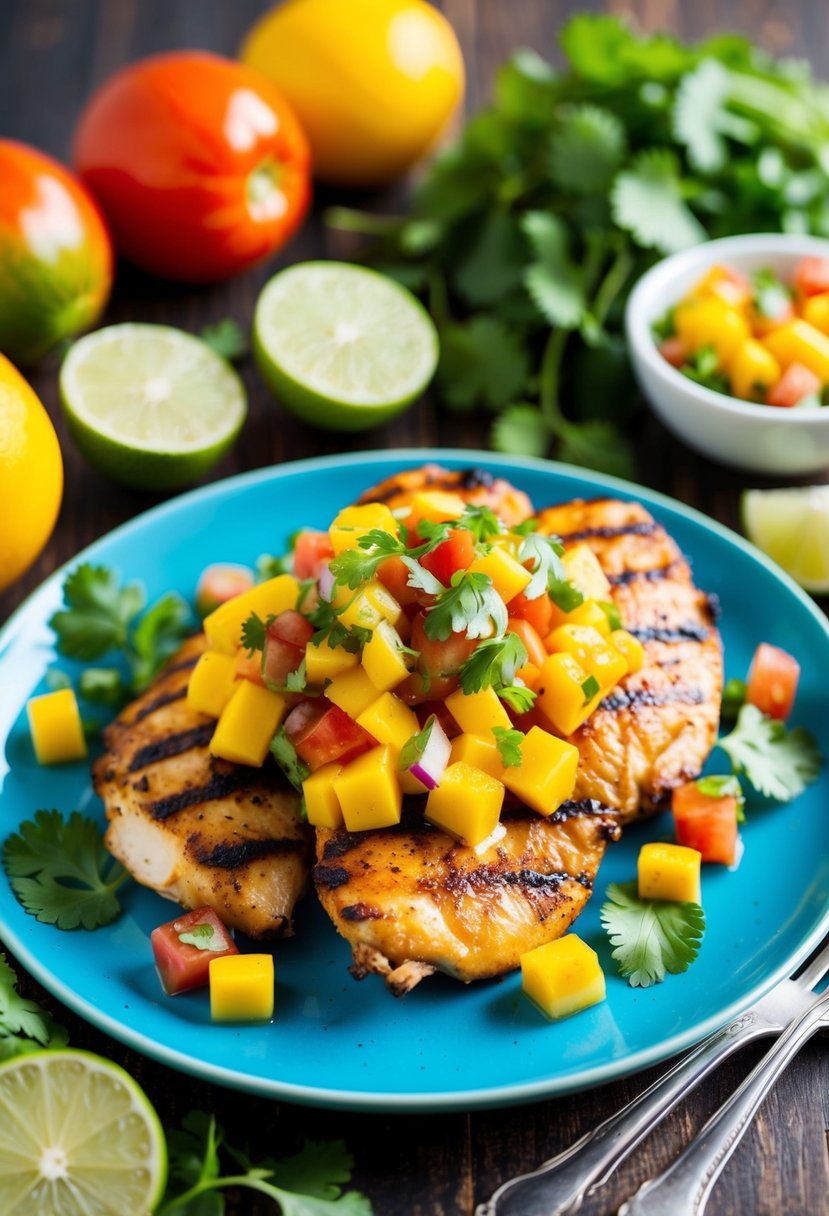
(683, 1189)
(560, 1185)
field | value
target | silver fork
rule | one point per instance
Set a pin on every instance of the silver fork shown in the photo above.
(560, 1185)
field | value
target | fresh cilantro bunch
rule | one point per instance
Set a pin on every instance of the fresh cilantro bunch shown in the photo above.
(526, 237)
(102, 618)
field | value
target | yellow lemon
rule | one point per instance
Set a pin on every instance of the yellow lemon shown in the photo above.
(31, 475)
(374, 82)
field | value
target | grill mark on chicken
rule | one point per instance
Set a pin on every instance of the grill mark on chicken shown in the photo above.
(653, 574)
(623, 698)
(639, 528)
(360, 912)
(219, 786)
(166, 698)
(331, 877)
(691, 632)
(232, 856)
(182, 665)
(530, 880)
(172, 745)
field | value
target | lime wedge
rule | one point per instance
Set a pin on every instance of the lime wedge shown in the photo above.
(78, 1137)
(792, 527)
(149, 405)
(342, 347)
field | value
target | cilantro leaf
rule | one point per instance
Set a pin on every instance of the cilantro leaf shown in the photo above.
(598, 445)
(253, 633)
(482, 362)
(227, 339)
(556, 284)
(102, 686)
(422, 578)
(470, 605)
(586, 149)
(698, 114)
(285, 755)
(771, 297)
(647, 201)
(355, 567)
(722, 786)
(97, 614)
(777, 762)
(482, 522)
(493, 662)
(61, 873)
(519, 698)
(590, 687)
(733, 698)
(543, 554)
(24, 1026)
(612, 613)
(492, 267)
(509, 742)
(521, 430)
(650, 937)
(157, 637)
(203, 937)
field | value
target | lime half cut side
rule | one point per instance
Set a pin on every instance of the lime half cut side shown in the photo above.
(792, 527)
(78, 1137)
(342, 347)
(150, 405)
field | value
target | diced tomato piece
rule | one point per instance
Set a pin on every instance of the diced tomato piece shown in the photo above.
(796, 383)
(437, 670)
(183, 965)
(811, 276)
(285, 640)
(772, 681)
(322, 732)
(706, 824)
(292, 627)
(249, 665)
(455, 553)
(394, 576)
(218, 584)
(673, 350)
(535, 648)
(312, 550)
(539, 612)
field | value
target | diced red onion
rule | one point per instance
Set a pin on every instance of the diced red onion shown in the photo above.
(429, 768)
(325, 582)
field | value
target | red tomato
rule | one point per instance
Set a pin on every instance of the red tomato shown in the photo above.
(438, 666)
(322, 732)
(706, 824)
(291, 627)
(772, 681)
(285, 641)
(673, 349)
(394, 576)
(55, 252)
(796, 383)
(455, 553)
(811, 277)
(198, 163)
(218, 584)
(539, 612)
(184, 965)
(312, 551)
(535, 648)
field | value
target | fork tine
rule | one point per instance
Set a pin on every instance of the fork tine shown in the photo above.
(816, 969)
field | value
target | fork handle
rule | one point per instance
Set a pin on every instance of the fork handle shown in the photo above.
(684, 1188)
(560, 1185)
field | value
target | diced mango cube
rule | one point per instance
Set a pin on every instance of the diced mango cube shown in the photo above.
(727, 285)
(800, 342)
(529, 675)
(546, 775)
(587, 646)
(369, 792)
(669, 871)
(630, 648)
(708, 321)
(508, 576)
(326, 662)
(389, 721)
(589, 612)
(248, 723)
(479, 751)
(561, 693)
(212, 681)
(467, 803)
(352, 691)
(371, 605)
(321, 802)
(383, 657)
(752, 370)
(224, 626)
(435, 506)
(56, 728)
(354, 522)
(477, 712)
(563, 976)
(815, 310)
(584, 571)
(241, 988)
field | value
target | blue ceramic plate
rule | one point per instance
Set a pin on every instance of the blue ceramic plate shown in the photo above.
(335, 1042)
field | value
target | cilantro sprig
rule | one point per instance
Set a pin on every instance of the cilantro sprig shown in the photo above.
(650, 937)
(24, 1026)
(61, 872)
(494, 662)
(470, 605)
(776, 761)
(509, 742)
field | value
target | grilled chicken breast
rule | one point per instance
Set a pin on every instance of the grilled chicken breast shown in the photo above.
(410, 899)
(197, 829)
(655, 730)
(475, 486)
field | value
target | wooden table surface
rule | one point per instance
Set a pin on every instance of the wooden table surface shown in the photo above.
(52, 53)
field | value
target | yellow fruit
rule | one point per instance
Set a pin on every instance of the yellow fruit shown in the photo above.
(669, 871)
(56, 727)
(373, 82)
(31, 475)
(563, 976)
(241, 988)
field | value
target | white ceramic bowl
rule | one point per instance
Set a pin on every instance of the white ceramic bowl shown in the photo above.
(759, 437)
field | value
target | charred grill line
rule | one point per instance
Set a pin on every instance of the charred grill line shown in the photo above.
(653, 574)
(474, 479)
(231, 856)
(610, 532)
(531, 880)
(691, 632)
(184, 665)
(568, 810)
(166, 698)
(360, 912)
(219, 786)
(331, 877)
(635, 697)
(172, 745)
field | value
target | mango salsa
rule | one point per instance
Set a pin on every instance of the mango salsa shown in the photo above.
(212, 681)
(562, 977)
(323, 663)
(352, 691)
(321, 802)
(383, 657)
(508, 576)
(56, 728)
(477, 712)
(352, 523)
(247, 724)
(224, 626)
(369, 792)
(564, 693)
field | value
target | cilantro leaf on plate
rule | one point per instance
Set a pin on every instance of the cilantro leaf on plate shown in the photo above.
(778, 762)
(61, 872)
(157, 636)
(650, 936)
(97, 614)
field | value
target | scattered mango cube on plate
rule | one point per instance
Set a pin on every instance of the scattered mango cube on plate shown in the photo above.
(56, 727)
(562, 977)
(669, 871)
(242, 988)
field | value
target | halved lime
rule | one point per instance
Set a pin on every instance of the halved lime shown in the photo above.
(78, 1137)
(341, 346)
(149, 405)
(792, 527)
